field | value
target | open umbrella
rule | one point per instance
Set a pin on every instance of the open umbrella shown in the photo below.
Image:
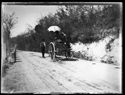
(54, 28)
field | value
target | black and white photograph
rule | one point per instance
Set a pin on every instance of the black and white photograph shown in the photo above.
(61, 47)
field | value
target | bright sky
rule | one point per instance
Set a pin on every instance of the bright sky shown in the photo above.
(28, 15)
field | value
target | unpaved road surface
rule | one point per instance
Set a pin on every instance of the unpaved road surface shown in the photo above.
(34, 74)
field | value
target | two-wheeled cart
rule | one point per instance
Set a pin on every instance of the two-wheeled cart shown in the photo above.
(59, 45)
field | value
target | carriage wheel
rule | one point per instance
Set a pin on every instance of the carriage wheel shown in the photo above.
(68, 53)
(52, 51)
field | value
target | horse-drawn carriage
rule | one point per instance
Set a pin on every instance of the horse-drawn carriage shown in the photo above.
(59, 44)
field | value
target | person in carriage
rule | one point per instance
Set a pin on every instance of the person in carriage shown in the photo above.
(60, 37)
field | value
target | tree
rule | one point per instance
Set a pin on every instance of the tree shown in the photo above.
(110, 18)
(8, 22)
(85, 23)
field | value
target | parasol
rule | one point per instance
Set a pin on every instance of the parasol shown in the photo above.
(54, 28)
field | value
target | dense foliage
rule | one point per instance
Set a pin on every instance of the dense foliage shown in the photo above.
(85, 23)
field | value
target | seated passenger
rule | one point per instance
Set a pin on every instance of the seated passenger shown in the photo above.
(60, 36)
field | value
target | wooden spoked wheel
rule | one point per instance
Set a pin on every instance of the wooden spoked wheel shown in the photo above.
(52, 51)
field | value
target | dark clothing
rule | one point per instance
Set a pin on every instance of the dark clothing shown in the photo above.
(15, 56)
(43, 47)
(14, 53)
(60, 36)
(68, 48)
(43, 51)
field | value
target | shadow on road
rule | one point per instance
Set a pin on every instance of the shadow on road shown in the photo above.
(66, 59)
(58, 58)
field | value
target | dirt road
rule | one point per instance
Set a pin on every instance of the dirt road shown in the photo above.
(34, 74)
